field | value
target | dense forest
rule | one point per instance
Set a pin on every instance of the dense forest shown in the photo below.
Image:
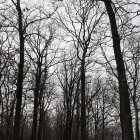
(69, 70)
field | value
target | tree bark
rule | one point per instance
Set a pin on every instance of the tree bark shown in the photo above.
(125, 111)
(20, 75)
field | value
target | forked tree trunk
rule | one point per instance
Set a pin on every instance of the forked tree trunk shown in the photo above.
(125, 111)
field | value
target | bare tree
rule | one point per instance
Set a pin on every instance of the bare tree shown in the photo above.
(131, 55)
(69, 79)
(125, 112)
(82, 39)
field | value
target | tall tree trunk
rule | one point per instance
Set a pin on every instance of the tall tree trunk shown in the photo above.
(2, 125)
(67, 115)
(9, 124)
(40, 128)
(0, 79)
(36, 103)
(103, 118)
(83, 106)
(77, 121)
(125, 111)
(35, 112)
(137, 131)
(67, 131)
(20, 75)
(96, 119)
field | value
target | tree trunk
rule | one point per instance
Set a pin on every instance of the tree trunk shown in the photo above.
(125, 111)
(77, 121)
(20, 75)
(137, 125)
(35, 112)
(137, 131)
(83, 106)
(36, 103)
(40, 128)
(34, 125)
(96, 119)
(103, 118)
(67, 131)
(0, 79)
(2, 125)
(9, 125)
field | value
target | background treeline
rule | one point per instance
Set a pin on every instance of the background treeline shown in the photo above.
(69, 70)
